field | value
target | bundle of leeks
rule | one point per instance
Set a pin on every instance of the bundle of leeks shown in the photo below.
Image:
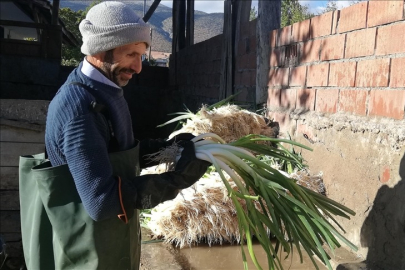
(275, 204)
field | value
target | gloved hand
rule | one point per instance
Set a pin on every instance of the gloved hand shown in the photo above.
(189, 167)
(147, 191)
(151, 146)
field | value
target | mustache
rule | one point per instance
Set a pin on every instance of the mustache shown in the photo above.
(127, 70)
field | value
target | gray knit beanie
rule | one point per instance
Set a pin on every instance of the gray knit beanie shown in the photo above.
(111, 24)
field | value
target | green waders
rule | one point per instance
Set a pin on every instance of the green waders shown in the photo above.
(58, 233)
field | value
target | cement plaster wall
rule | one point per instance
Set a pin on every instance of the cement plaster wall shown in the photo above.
(363, 166)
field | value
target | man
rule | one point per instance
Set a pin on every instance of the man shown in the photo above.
(91, 186)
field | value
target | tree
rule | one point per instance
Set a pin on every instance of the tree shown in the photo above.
(72, 56)
(330, 6)
(353, 2)
(253, 14)
(292, 11)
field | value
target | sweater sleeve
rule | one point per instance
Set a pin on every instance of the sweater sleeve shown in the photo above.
(85, 149)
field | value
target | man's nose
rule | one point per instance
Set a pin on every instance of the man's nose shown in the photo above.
(137, 65)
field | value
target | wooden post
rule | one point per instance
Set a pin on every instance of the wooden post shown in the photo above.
(268, 19)
(225, 82)
(190, 23)
(182, 24)
(235, 13)
(175, 27)
(55, 12)
(241, 18)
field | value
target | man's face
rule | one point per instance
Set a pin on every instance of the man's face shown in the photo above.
(121, 63)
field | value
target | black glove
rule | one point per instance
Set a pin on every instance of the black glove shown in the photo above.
(147, 191)
(189, 166)
(151, 146)
(181, 137)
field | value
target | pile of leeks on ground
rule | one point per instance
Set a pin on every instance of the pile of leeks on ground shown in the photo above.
(279, 213)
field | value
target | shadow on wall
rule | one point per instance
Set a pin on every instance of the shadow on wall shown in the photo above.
(383, 231)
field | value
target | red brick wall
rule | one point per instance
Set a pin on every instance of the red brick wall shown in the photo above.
(351, 60)
(198, 72)
(199, 69)
(245, 64)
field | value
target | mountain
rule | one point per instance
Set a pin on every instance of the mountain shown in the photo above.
(206, 25)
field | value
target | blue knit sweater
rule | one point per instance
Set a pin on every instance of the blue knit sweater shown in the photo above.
(77, 136)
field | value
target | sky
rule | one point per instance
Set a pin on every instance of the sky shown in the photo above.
(218, 5)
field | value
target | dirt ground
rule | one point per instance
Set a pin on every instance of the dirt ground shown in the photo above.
(161, 256)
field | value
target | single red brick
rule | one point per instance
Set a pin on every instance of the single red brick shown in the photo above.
(360, 43)
(216, 78)
(238, 78)
(298, 76)
(309, 51)
(288, 98)
(284, 36)
(277, 56)
(306, 99)
(353, 101)
(243, 46)
(243, 93)
(273, 37)
(241, 49)
(246, 79)
(326, 100)
(300, 31)
(253, 43)
(251, 61)
(372, 73)
(383, 12)
(391, 39)
(321, 25)
(253, 77)
(353, 17)
(238, 63)
(244, 30)
(216, 66)
(245, 61)
(217, 52)
(278, 77)
(397, 78)
(342, 74)
(273, 99)
(333, 47)
(387, 103)
(209, 91)
(318, 75)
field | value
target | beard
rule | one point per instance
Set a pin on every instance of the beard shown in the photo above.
(112, 70)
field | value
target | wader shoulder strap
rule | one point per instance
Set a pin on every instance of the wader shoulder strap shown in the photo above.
(98, 107)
